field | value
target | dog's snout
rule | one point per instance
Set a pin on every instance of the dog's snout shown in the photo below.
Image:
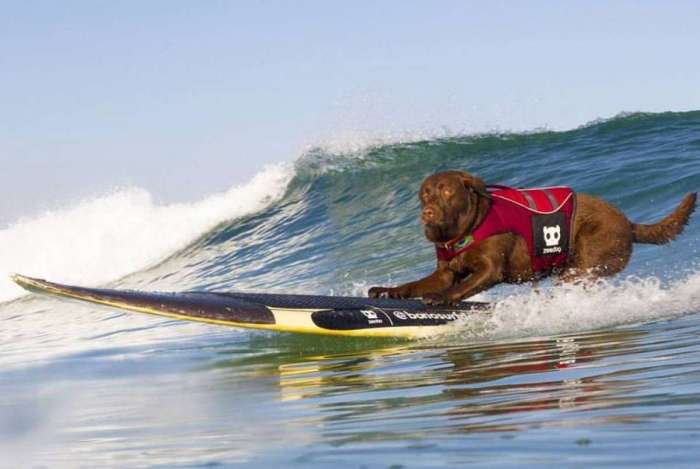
(429, 214)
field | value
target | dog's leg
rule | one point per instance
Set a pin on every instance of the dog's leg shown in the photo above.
(602, 240)
(578, 277)
(486, 274)
(570, 275)
(439, 280)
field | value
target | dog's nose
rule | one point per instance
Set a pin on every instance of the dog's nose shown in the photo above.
(428, 215)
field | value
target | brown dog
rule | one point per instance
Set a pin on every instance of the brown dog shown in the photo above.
(454, 203)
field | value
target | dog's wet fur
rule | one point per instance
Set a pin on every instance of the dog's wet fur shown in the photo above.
(453, 204)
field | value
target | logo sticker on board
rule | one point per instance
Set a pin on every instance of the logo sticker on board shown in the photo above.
(372, 317)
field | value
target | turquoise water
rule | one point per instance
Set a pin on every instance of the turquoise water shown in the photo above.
(567, 377)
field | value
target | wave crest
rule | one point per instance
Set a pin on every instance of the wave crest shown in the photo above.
(99, 240)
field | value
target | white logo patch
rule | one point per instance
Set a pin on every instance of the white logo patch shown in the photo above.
(552, 235)
(369, 313)
(372, 316)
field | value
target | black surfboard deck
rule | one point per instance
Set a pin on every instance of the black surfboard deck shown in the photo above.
(326, 315)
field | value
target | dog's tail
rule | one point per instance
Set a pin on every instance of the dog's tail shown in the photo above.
(668, 228)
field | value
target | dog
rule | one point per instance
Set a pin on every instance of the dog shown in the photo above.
(455, 205)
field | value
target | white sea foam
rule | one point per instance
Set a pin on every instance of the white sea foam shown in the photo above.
(571, 308)
(101, 239)
(554, 310)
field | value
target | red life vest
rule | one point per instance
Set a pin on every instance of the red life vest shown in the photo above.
(542, 217)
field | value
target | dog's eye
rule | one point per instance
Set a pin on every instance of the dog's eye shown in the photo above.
(447, 192)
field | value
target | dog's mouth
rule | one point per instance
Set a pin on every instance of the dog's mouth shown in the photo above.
(437, 233)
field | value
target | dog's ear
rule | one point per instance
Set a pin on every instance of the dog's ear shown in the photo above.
(473, 183)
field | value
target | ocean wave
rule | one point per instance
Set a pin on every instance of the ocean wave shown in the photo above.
(347, 214)
(104, 238)
(347, 151)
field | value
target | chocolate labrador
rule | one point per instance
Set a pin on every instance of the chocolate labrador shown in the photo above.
(456, 205)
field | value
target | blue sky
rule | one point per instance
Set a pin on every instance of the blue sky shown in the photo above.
(188, 98)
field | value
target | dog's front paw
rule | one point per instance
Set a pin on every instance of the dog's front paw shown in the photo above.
(438, 299)
(378, 292)
(388, 292)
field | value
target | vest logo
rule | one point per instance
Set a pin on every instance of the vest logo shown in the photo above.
(552, 235)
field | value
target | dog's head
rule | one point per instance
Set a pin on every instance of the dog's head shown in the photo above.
(451, 204)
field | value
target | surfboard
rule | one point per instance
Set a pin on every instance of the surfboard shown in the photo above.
(327, 315)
